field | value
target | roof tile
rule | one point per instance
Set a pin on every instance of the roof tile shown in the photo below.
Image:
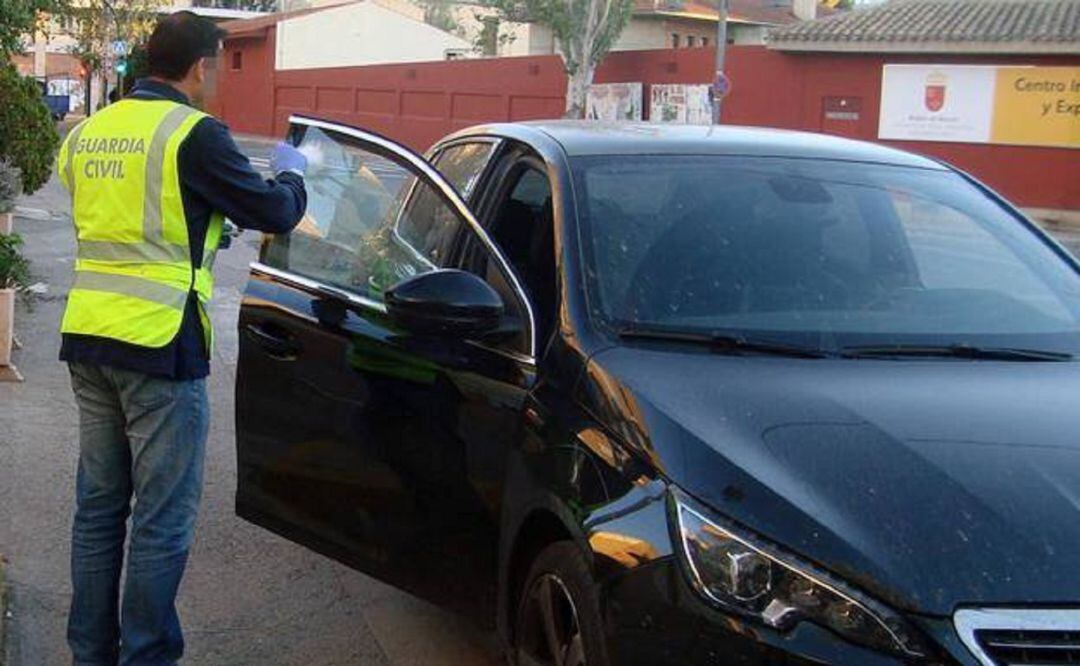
(957, 21)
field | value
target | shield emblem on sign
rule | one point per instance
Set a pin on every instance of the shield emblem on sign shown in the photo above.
(935, 92)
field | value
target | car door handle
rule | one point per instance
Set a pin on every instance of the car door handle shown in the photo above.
(275, 344)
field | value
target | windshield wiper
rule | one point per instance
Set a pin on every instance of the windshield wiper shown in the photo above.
(721, 342)
(955, 351)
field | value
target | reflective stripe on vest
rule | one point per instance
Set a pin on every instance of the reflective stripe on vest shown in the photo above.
(127, 285)
(134, 272)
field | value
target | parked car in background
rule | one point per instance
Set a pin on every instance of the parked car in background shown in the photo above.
(674, 395)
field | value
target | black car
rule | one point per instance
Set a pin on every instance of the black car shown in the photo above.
(674, 395)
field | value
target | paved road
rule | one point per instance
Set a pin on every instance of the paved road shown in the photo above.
(249, 597)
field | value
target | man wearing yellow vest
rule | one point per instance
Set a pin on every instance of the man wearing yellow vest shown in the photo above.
(151, 180)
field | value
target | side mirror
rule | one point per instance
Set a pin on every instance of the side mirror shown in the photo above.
(445, 302)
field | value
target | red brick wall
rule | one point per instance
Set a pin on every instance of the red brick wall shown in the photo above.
(419, 103)
(57, 65)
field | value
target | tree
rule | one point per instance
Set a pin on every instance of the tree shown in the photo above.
(250, 5)
(19, 19)
(27, 133)
(585, 30)
(96, 24)
(439, 13)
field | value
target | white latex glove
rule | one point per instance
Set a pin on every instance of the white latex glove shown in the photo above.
(313, 151)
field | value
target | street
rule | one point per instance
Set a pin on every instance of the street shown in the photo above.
(249, 597)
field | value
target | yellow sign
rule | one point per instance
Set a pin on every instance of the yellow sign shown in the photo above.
(1037, 106)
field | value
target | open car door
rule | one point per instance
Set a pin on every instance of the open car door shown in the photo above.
(353, 437)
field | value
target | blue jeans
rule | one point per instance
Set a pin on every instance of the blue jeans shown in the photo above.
(145, 437)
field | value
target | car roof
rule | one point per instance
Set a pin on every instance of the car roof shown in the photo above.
(584, 138)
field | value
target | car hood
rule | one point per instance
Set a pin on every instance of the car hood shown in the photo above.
(931, 484)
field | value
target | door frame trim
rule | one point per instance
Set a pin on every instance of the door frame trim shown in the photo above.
(315, 285)
(355, 299)
(449, 193)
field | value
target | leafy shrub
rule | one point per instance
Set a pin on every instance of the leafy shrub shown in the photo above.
(10, 185)
(27, 134)
(14, 268)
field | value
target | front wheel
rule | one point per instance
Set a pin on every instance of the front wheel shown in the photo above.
(558, 619)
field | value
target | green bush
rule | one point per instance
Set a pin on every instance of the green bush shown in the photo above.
(14, 268)
(10, 185)
(27, 133)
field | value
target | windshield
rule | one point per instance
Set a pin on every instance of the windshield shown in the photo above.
(824, 254)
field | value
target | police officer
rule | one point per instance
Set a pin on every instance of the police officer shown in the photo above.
(151, 180)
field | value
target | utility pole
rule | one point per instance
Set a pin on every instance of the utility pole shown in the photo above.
(721, 47)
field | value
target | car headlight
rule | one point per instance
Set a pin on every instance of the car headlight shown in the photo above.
(741, 574)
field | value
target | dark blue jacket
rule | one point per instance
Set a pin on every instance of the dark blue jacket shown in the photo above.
(214, 176)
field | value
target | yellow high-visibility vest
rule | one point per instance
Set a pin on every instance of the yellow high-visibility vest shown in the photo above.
(133, 269)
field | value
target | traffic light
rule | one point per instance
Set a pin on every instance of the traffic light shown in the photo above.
(121, 67)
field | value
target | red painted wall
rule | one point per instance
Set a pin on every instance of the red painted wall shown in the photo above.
(796, 88)
(421, 102)
(418, 104)
(244, 96)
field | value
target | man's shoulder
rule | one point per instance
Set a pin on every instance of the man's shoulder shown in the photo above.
(209, 136)
(209, 127)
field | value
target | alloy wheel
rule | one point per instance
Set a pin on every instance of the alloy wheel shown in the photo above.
(549, 633)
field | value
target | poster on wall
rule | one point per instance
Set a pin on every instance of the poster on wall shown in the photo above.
(71, 87)
(680, 103)
(614, 101)
(1032, 106)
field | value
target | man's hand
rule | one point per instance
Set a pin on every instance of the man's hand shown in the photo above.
(287, 159)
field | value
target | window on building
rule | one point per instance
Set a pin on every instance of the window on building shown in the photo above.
(237, 60)
(704, 41)
(691, 41)
(674, 40)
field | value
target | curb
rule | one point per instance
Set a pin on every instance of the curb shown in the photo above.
(3, 610)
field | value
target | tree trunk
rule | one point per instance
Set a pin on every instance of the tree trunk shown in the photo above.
(577, 89)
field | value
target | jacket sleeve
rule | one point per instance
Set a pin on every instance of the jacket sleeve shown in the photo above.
(217, 171)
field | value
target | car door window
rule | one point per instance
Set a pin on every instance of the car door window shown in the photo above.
(370, 222)
(522, 226)
(463, 163)
(427, 225)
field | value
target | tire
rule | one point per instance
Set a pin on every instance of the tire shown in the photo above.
(561, 575)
